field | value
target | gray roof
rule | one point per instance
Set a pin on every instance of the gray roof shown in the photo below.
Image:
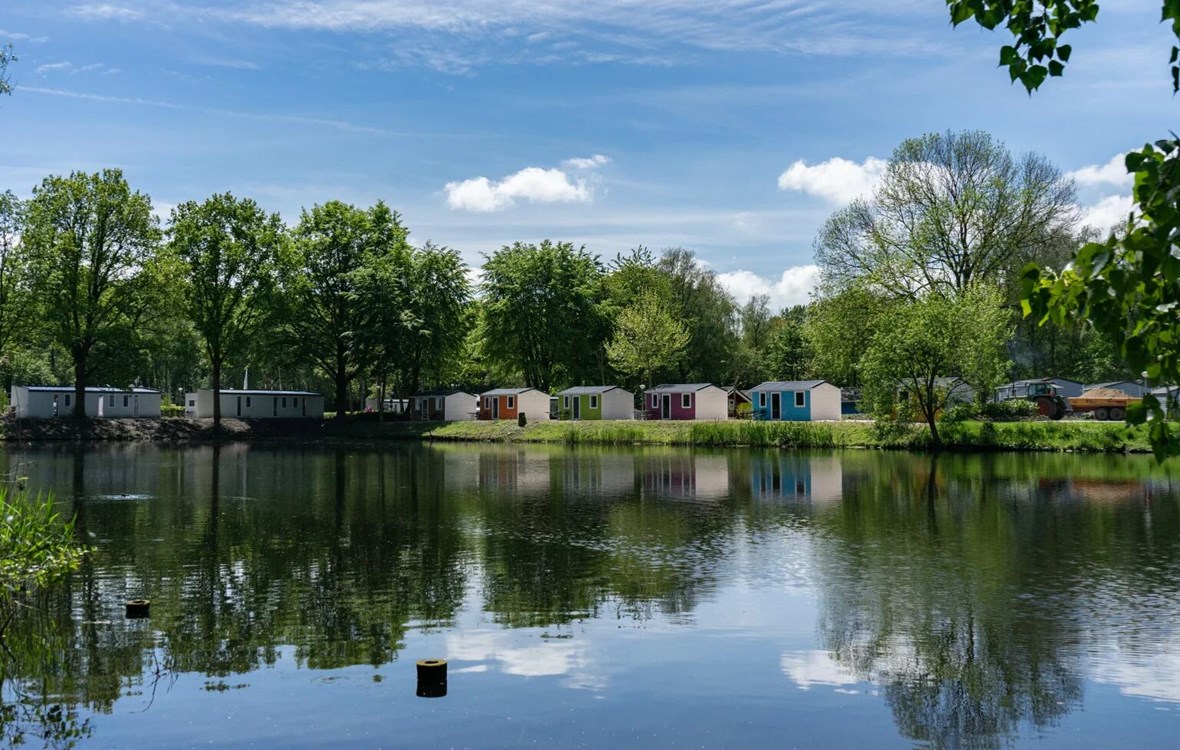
(509, 392)
(89, 389)
(1114, 383)
(443, 392)
(1029, 381)
(591, 390)
(788, 385)
(681, 387)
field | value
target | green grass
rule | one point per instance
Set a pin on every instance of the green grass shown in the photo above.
(1090, 437)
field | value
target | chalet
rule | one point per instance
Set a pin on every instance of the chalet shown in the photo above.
(444, 406)
(509, 403)
(686, 401)
(251, 404)
(104, 402)
(596, 402)
(736, 397)
(796, 401)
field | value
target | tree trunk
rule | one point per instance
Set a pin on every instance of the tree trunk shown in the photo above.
(216, 362)
(80, 386)
(341, 388)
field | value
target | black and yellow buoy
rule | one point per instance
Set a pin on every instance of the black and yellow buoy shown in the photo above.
(138, 609)
(432, 678)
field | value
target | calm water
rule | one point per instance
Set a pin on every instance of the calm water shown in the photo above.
(603, 598)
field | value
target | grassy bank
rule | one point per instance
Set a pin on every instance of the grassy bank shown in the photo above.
(1079, 436)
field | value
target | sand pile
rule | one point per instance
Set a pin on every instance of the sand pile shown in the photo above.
(1104, 393)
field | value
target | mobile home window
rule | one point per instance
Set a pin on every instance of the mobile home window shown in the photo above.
(284, 402)
(686, 400)
(511, 402)
(762, 399)
(594, 402)
(799, 399)
(655, 399)
(192, 402)
(112, 400)
(247, 402)
(67, 399)
(565, 401)
(125, 401)
(487, 402)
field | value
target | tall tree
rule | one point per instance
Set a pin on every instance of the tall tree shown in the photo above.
(332, 242)
(439, 293)
(92, 244)
(13, 271)
(920, 343)
(788, 356)
(838, 330)
(952, 209)
(648, 339)
(1127, 286)
(543, 314)
(709, 314)
(6, 56)
(229, 249)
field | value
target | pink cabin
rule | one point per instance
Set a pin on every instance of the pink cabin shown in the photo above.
(686, 401)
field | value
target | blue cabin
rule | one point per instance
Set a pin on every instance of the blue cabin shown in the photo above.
(796, 401)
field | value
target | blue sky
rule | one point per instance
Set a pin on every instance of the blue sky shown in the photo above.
(732, 128)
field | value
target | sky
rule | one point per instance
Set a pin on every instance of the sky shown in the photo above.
(733, 128)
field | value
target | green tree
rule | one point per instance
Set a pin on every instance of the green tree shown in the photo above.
(1129, 285)
(229, 249)
(922, 343)
(709, 314)
(13, 275)
(788, 357)
(839, 328)
(6, 56)
(333, 242)
(92, 247)
(648, 339)
(952, 209)
(439, 294)
(543, 312)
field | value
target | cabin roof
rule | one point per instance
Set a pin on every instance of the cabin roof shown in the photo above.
(788, 385)
(508, 391)
(681, 387)
(235, 392)
(443, 392)
(90, 389)
(591, 390)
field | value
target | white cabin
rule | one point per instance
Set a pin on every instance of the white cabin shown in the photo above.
(444, 406)
(242, 404)
(102, 402)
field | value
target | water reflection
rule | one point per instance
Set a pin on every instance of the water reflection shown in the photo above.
(976, 596)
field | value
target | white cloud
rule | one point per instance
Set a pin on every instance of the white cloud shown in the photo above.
(17, 36)
(792, 288)
(532, 184)
(589, 162)
(107, 12)
(809, 668)
(1113, 172)
(1108, 213)
(51, 67)
(838, 181)
(65, 66)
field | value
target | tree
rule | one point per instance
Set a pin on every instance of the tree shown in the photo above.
(709, 314)
(332, 242)
(922, 343)
(6, 56)
(229, 249)
(789, 356)
(92, 248)
(648, 339)
(439, 294)
(839, 328)
(543, 312)
(1127, 286)
(13, 310)
(952, 209)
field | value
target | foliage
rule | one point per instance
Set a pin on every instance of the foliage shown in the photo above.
(789, 355)
(38, 545)
(13, 274)
(839, 328)
(324, 315)
(924, 347)
(543, 313)
(1129, 285)
(6, 56)
(229, 250)
(709, 314)
(648, 339)
(92, 242)
(952, 210)
(1010, 410)
(961, 412)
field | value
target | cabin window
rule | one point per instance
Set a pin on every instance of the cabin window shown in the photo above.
(112, 400)
(274, 407)
(762, 399)
(192, 402)
(67, 399)
(655, 400)
(686, 400)
(247, 402)
(594, 402)
(125, 401)
(800, 399)
(565, 401)
(511, 402)
(487, 402)
(284, 402)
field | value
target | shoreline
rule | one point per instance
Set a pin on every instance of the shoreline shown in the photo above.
(971, 436)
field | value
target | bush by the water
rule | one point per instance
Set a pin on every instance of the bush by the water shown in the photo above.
(1014, 410)
(38, 544)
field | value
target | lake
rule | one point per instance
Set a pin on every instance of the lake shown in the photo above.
(590, 597)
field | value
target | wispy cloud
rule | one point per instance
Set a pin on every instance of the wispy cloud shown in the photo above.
(65, 66)
(838, 181)
(16, 36)
(107, 12)
(588, 162)
(532, 184)
(294, 119)
(1113, 172)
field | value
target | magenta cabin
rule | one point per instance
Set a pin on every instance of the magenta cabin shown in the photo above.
(686, 401)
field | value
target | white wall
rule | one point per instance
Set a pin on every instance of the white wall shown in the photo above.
(618, 404)
(712, 403)
(534, 405)
(460, 407)
(39, 404)
(127, 405)
(825, 402)
(260, 406)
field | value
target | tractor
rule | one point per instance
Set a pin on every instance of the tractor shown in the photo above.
(1044, 394)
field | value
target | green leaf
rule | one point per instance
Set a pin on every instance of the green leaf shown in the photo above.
(1055, 68)
(1064, 51)
(1136, 413)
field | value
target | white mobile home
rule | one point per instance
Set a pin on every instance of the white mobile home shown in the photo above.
(444, 406)
(244, 404)
(49, 401)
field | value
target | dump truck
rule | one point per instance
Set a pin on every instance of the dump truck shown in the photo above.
(1104, 403)
(1044, 394)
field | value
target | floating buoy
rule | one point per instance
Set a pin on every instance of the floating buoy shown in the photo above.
(137, 609)
(432, 678)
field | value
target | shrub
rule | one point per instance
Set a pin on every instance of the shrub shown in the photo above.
(38, 546)
(1014, 410)
(959, 413)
